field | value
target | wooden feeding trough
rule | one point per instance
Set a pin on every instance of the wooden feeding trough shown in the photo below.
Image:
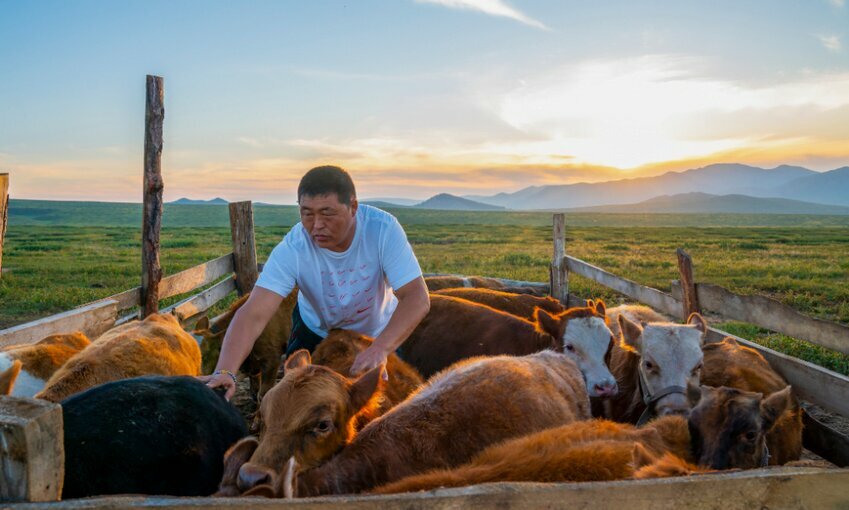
(31, 453)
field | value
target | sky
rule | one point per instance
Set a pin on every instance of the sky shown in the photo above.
(414, 97)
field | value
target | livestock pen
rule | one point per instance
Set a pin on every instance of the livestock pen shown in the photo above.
(31, 450)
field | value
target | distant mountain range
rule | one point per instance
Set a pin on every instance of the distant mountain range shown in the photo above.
(790, 182)
(707, 203)
(189, 201)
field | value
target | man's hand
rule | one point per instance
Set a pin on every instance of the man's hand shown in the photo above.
(220, 381)
(372, 357)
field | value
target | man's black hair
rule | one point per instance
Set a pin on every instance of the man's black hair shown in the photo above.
(322, 180)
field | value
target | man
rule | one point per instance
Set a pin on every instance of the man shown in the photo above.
(354, 270)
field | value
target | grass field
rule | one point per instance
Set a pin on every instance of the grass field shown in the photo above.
(49, 268)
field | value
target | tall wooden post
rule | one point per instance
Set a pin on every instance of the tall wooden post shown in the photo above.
(152, 221)
(244, 246)
(32, 454)
(4, 213)
(688, 284)
(558, 277)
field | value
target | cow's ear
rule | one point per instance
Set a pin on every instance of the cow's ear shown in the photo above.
(774, 406)
(366, 386)
(696, 319)
(234, 457)
(591, 304)
(8, 377)
(642, 457)
(600, 308)
(202, 323)
(547, 323)
(632, 333)
(298, 359)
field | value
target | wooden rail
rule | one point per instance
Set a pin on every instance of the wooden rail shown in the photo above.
(195, 305)
(770, 314)
(195, 277)
(4, 213)
(92, 319)
(652, 297)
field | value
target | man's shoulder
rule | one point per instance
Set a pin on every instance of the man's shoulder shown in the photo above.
(295, 239)
(373, 215)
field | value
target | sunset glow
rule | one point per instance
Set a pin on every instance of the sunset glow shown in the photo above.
(415, 97)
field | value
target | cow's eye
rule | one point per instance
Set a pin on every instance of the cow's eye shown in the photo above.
(649, 365)
(570, 347)
(323, 426)
(750, 436)
(698, 368)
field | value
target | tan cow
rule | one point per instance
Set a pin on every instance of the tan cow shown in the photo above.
(155, 346)
(39, 361)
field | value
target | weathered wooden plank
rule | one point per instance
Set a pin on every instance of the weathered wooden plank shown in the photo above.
(685, 269)
(195, 277)
(244, 246)
(152, 208)
(93, 320)
(824, 440)
(770, 314)
(774, 488)
(32, 456)
(647, 295)
(192, 306)
(125, 300)
(4, 213)
(558, 276)
(810, 382)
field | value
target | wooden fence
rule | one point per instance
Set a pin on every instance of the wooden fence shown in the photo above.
(32, 472)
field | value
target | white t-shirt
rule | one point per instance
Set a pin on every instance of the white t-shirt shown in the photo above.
(350, 289)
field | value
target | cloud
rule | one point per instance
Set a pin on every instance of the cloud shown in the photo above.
(837, 3)
(491, 7)
(831, 42)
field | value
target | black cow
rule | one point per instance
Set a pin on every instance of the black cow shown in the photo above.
(147, 435)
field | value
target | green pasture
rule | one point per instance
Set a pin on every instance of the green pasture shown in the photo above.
(48, 268)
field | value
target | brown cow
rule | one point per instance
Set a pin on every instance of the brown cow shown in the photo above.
(435, 283)
(457, 329)
(728, 363)
(520, 305)
(474, 404)
(264, 359)
(8, 377)
(305, 397)
(655, 363)
(155, 346)
(725, 420)
(41, 360)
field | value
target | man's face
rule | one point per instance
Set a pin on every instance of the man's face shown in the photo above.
(329, 223)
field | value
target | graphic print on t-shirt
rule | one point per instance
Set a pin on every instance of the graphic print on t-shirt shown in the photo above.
(349, 292)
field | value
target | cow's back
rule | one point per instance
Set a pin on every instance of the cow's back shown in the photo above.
(147, 435)
(155, 346)
(520, 305)
(456, 329)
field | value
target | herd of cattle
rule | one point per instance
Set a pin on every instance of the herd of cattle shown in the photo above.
(495, 384)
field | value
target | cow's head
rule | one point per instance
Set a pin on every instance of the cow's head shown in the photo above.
(310, 414)
(209, 339)
(670, 359)
(728, 427)
(582, 334)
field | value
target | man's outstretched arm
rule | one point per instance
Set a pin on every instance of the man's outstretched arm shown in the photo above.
(247, 324)
(413, 305)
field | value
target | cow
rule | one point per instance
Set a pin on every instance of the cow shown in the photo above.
(147, 435)
(728, 363)
(337, 353)
(39, 361)
(520, 305)
(435, 283)
(264, 359)
(654, 366)
(8, 377)
(156, 345)
(475, 403)
(637, 314)
(456, 329)
(725, 430)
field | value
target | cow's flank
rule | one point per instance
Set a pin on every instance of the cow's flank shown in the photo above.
(520, 305)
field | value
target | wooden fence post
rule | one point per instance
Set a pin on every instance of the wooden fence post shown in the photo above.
(558, 278)
(4, 213)
(152, 214)
(688, 285)
(244, 246)
(32, 454)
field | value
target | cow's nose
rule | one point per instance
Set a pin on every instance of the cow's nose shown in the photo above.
(606, 390)
(251, 475)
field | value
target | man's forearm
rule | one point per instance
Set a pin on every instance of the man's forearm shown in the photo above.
(238, 341)
(404, 320)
